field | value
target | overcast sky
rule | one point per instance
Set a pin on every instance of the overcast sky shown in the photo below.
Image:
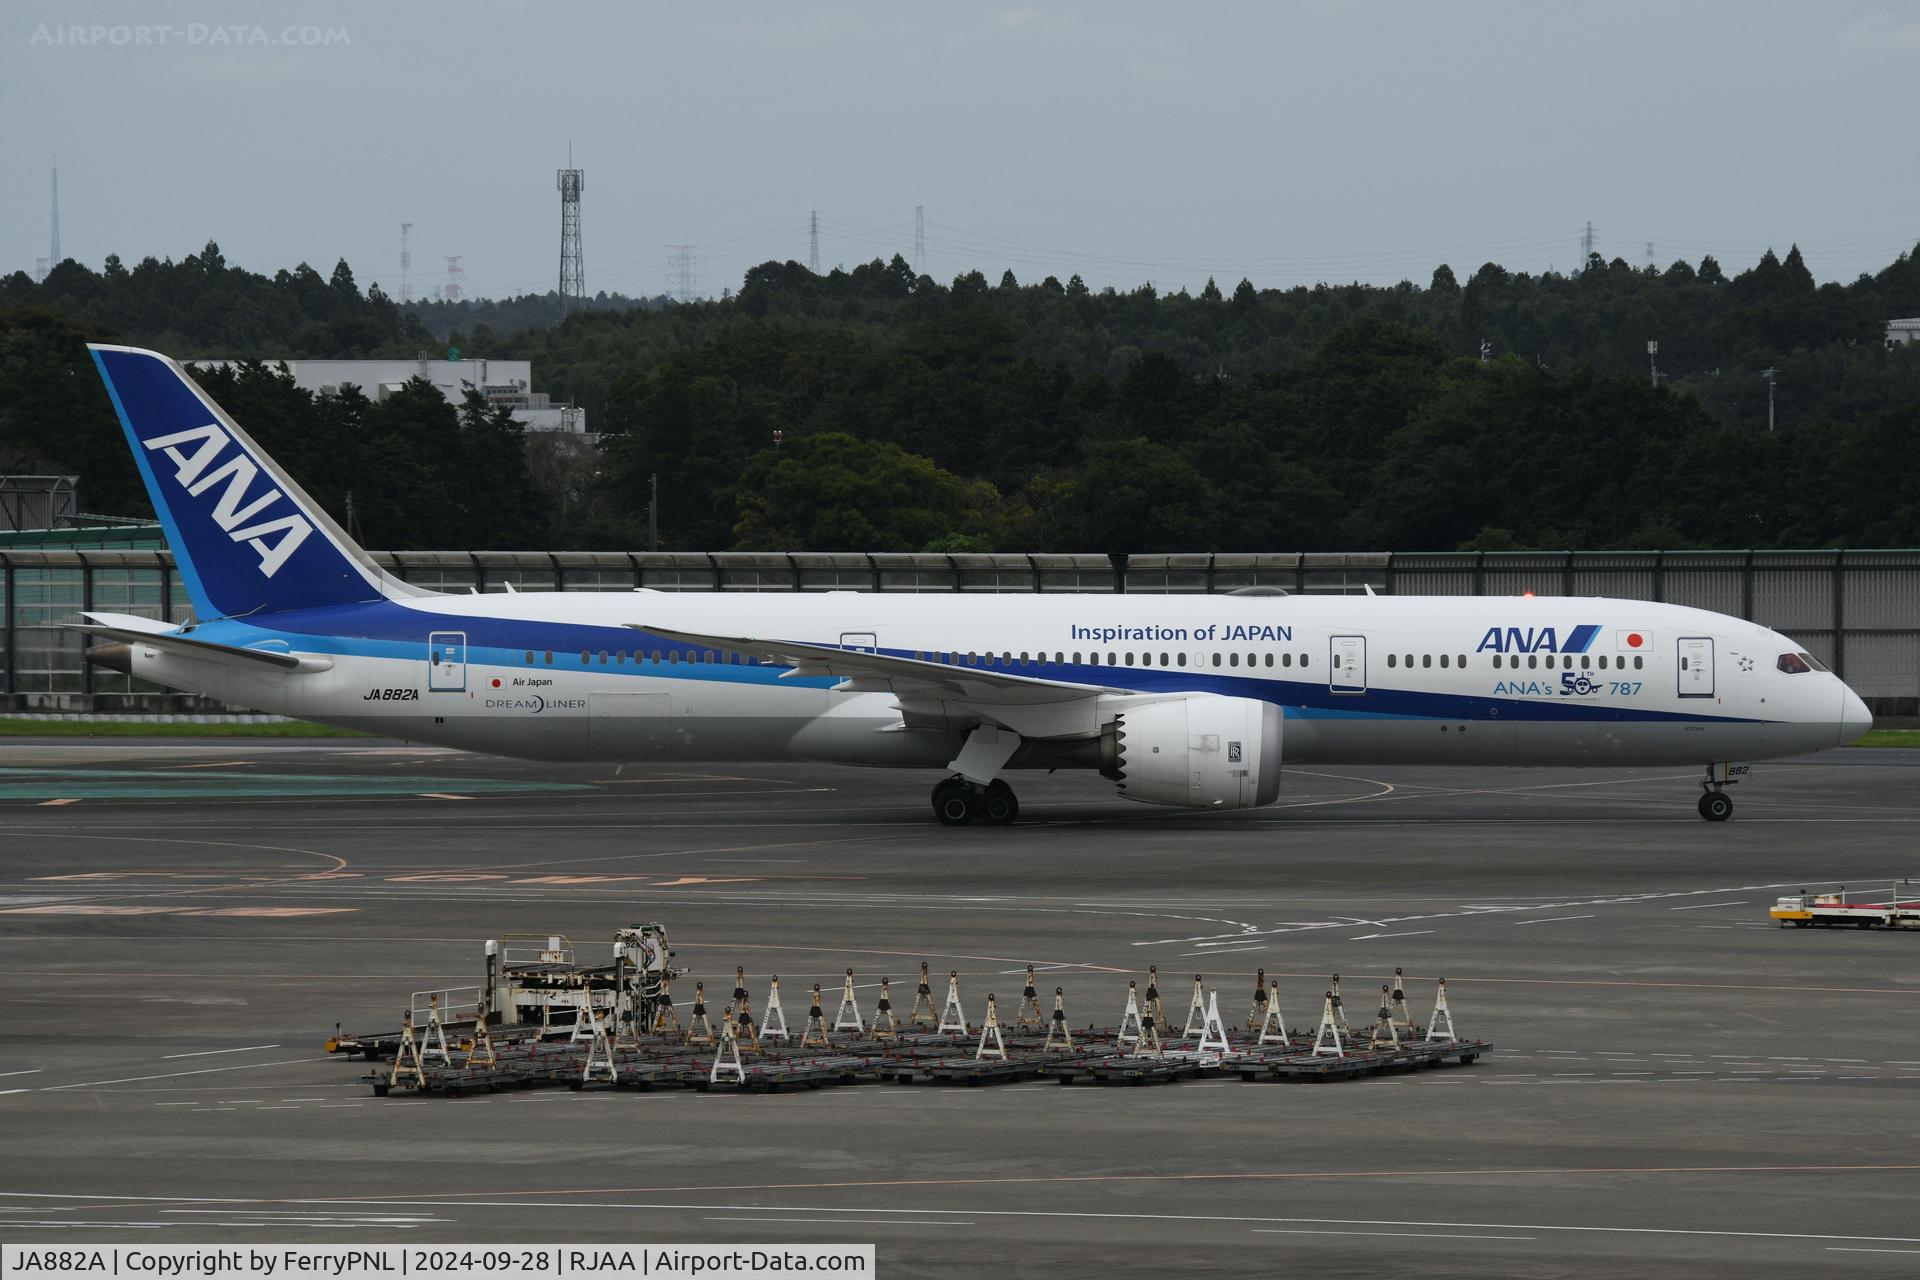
(1129, 142)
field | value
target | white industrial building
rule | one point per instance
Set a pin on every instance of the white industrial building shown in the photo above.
(502, 382)
(1902, 332)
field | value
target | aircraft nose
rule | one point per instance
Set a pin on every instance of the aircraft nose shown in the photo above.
(1855, 719)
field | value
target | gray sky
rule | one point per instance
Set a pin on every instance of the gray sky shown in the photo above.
(1128, 142)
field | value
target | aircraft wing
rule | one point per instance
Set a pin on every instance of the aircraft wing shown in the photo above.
(911, 679)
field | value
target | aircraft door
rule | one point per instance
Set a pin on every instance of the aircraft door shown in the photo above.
(447, 662)
(1696, 666)
(1347, 664)
(860, 641)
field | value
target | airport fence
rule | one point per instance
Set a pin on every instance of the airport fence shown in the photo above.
(1858, 611)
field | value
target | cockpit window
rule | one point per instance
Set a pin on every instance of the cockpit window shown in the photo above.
(1813, 662)
(1793, 664)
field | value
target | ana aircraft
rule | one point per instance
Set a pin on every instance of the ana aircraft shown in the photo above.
(1194, 701)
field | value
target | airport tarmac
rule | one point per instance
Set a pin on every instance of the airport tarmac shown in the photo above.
(1678, 1084)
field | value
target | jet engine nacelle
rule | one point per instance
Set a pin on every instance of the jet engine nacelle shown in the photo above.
(1202, 750)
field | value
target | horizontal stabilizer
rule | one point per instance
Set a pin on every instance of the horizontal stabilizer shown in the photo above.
(204, 649)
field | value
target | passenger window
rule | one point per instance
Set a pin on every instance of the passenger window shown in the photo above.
(1603, 662)
(1443, 659)
(1426, 660)
(1392, 661)
(1129, 659)
(1183, 659)
(603, 657)
(1286, 659)
(1269, 659)
(655, 655)
(673, 657)
(529, 657)
(1233, 659)
(1638, 661)
(1303, 659)
(1462, 662)
(1216, 659)
(1533, 660)
(585, 657)
(549, 657)
(1076, 658)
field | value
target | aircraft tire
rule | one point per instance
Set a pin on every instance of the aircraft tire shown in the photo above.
(955, 804)
(999, 806)
(1716, 806)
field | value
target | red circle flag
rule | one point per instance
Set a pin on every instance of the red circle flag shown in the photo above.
(1634, 640)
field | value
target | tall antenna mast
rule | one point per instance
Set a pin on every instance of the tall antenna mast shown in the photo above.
(573, 271)
(406, 264)
(53, 254)
(920, 239)
(1586, 246)
(813, 254)
(452, 292)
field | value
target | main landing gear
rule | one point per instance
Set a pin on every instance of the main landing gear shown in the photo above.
(956, 802)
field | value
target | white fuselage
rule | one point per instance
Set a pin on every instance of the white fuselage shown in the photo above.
(1445, 680)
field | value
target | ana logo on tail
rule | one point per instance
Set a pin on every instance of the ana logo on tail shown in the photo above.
(197, 473)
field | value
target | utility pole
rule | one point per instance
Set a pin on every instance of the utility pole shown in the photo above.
(1769, 373)
(653, 512)
(813, 254)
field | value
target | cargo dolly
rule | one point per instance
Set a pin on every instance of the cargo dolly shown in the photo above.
(616, 1026)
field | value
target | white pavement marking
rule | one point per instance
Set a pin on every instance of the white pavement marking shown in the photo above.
(552, 1204)
(170, 1075)
(1702, 906)
(31, 1071)
(1423, 1235)
(867, 1222)
(204, 1053)
(1550, 920)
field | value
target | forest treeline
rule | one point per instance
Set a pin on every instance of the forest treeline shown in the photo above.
(877, 409)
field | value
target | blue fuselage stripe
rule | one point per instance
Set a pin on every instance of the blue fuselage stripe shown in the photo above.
(382, 629)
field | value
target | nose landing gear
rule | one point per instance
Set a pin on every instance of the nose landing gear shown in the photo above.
(1715, 804)
(957, 802)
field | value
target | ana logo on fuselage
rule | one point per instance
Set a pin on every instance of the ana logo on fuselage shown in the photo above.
(1535, 640)
(196, 473)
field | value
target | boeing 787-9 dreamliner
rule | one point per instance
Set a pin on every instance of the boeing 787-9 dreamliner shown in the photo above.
(1193, 701)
